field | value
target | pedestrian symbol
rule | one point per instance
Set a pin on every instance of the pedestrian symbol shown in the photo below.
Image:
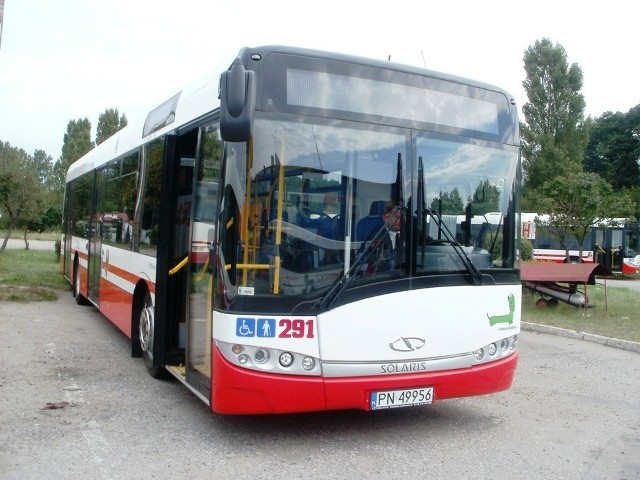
(266, 327)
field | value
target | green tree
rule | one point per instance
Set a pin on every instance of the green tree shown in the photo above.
(576, 203)
(76, 142)
(42, 165)
(109, 123)
(22, 196)
(613, 150)
(449, 203)
(555, 133)
(485, 199)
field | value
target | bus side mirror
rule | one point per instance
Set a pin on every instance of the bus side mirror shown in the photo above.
(237, 92)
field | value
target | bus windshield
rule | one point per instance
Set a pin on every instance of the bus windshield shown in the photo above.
(315, 202)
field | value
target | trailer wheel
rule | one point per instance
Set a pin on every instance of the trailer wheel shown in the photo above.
(542, 303)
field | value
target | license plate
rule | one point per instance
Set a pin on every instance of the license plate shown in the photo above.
(401, 398)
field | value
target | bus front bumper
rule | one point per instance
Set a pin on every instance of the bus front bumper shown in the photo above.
(241, 391)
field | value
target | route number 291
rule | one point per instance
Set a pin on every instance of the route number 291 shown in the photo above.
(296, 328)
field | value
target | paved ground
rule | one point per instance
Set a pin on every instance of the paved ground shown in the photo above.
(75, 405)
(632, 283)
(33, 244)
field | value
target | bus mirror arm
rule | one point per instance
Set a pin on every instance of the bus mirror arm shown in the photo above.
(237, 93)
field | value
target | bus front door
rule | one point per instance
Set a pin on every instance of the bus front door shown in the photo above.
(207, 173)
(182, 341)
(95, 239)
(615, 241)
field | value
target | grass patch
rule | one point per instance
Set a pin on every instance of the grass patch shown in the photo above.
(19, 235)
(30, 276)
(617, 315)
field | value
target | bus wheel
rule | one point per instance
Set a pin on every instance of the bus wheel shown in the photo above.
(80, 299)
(146, 328)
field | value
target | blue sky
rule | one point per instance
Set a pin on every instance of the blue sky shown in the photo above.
(68, 59)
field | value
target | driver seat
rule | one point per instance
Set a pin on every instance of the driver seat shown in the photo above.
(367, 225)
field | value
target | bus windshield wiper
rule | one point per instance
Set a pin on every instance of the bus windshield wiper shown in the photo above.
(476, 275)
(370, 245)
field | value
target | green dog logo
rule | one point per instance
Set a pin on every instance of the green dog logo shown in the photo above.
(508, 318)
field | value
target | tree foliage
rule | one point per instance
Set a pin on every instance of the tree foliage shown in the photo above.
(22, 195)
(449, 203)
(109, 123)
(578, 202)
(32, 186)
(76, 142)
(613, 150)
(554, 135)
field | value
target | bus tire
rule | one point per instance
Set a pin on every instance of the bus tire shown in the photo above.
(80, 299)
(146, 329)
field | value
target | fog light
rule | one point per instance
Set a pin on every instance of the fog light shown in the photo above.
(261, 356)
(286, 359)
(243, 359)
(237, 349)
(479, 354)
(492, 349)
(308, 363)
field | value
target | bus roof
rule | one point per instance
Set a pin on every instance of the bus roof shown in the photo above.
(200, 99)
(246, 53)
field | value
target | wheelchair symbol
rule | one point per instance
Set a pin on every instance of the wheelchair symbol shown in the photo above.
(245, 327)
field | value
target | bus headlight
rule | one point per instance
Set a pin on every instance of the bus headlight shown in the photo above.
(261, 356)
(308, 363)
(270, 360)
(514, 343)
(496, 350)
(478, 354)
(286, 359)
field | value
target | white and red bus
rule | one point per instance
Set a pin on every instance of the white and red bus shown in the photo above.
(301, 304)
(614, 243)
